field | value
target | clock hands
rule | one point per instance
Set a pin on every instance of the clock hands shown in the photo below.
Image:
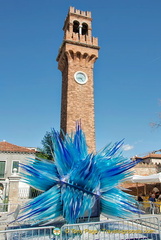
(80, 77)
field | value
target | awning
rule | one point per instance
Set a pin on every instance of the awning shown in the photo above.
(154, 178)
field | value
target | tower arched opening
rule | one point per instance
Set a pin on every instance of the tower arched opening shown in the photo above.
(76, 27)
(84, 29)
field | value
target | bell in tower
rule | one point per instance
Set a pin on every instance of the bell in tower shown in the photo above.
(76, 59)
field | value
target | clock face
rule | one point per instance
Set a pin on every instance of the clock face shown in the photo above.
(80, 77)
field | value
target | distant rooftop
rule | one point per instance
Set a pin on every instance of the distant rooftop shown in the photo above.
(9, 147)
(152, 155)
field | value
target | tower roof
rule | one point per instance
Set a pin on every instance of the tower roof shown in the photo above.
(9, 147)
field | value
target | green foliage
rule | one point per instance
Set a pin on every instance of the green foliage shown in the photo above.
(40, 154)
(47, 150)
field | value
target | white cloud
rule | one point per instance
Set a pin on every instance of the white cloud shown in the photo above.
(127, 147)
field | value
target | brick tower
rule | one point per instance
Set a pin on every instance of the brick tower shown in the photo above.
(76, 58)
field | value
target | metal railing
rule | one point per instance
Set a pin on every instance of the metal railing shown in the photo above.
(34, 233)
(6, 208)
(150, 207)
(137, 228)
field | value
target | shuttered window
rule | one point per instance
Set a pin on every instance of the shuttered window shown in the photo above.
(2, 168)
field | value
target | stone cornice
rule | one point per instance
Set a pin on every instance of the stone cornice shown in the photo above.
(75, 43)
(7, 152)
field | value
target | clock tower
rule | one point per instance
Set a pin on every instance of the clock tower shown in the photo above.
(76, 58)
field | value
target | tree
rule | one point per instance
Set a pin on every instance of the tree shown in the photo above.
(158, 123)
(47, 150)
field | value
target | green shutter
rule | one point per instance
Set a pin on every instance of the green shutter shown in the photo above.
(2, 169)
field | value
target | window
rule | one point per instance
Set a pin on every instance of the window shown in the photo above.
(2, 168)
(15, 166)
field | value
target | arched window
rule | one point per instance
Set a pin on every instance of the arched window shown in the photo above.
(76, 26)
(84, 29)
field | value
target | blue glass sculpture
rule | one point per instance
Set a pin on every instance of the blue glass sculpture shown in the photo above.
(76, 179)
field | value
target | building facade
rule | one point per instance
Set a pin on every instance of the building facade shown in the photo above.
(10, 181)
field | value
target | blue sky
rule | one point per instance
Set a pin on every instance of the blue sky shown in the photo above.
(127, 75)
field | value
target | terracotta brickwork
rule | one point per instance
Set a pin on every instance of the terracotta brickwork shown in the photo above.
(78, 53)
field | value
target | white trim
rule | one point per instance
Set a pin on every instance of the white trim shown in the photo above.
(75, 77)
(12, 166)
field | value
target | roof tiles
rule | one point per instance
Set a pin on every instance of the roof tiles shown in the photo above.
(9, 147)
